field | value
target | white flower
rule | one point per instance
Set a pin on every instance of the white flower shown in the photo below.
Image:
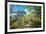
(27, 12)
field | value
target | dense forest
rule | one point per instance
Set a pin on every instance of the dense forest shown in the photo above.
(25, 16)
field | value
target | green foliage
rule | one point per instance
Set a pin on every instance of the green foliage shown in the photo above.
(31, 14)
(28, 7)
(37, 10)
